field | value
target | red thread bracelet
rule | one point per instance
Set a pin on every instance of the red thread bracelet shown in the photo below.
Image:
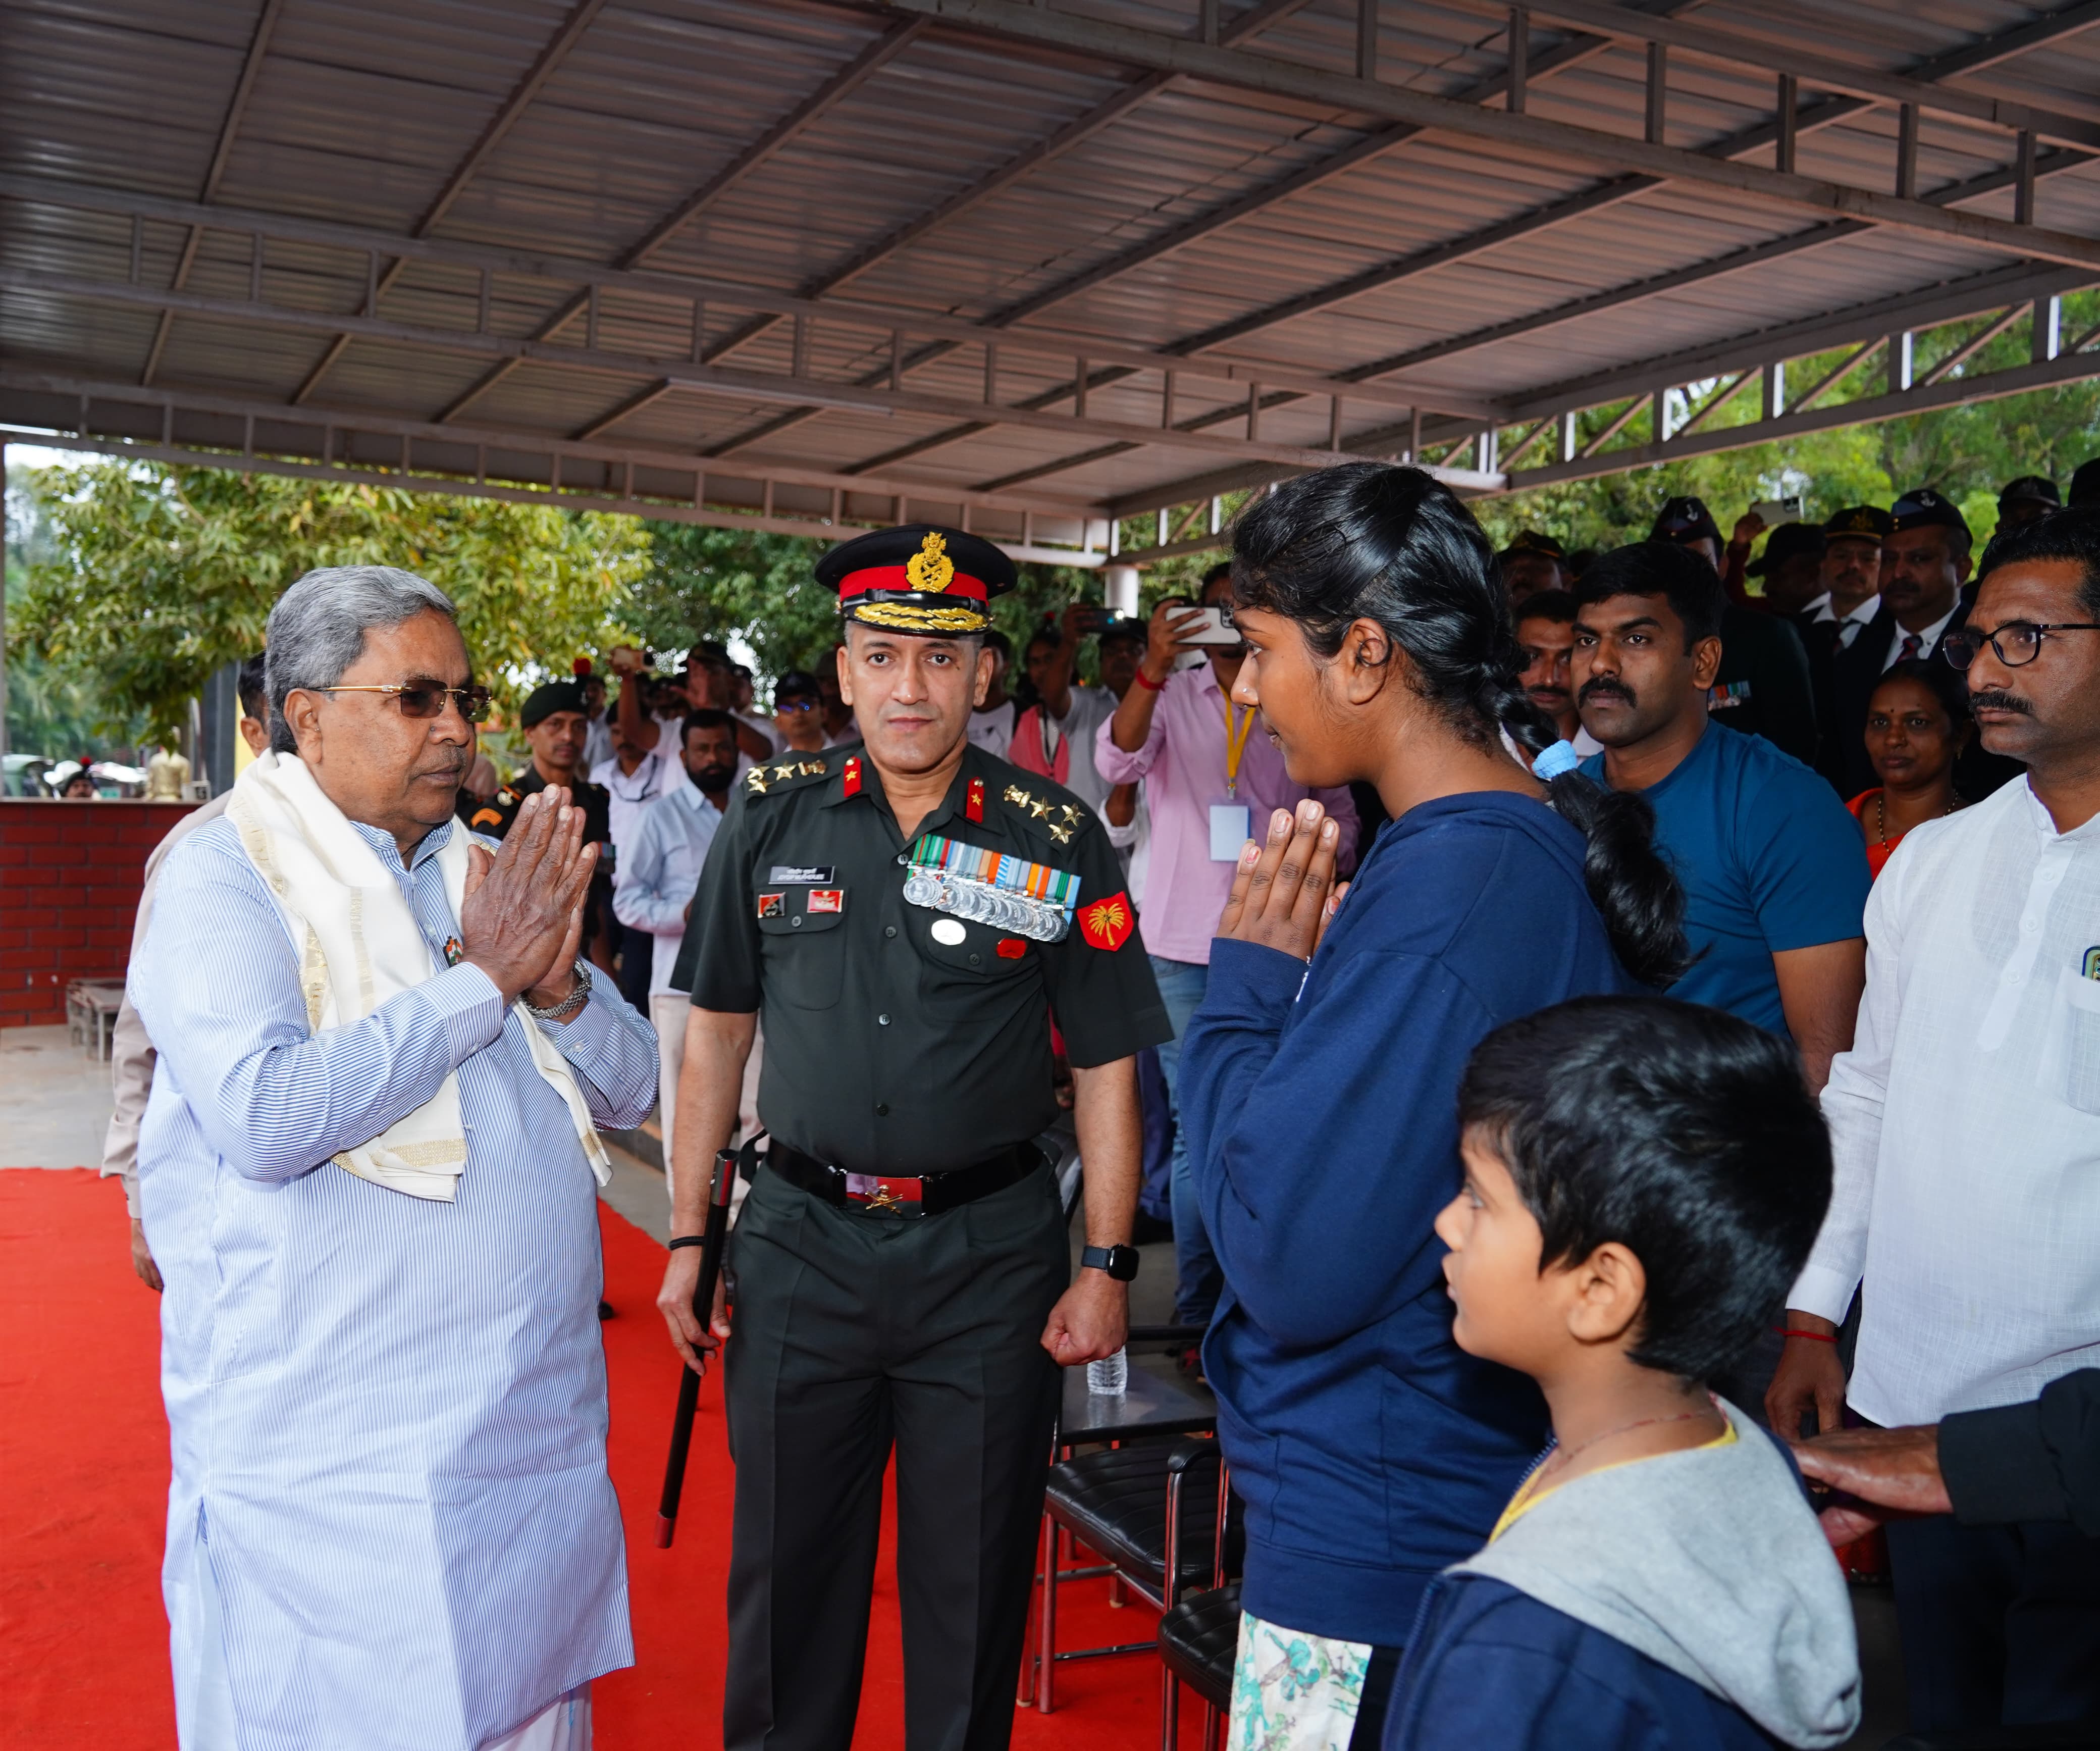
(1150, 686)
(1793, 1331)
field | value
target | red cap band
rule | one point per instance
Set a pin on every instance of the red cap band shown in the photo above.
(897, 578)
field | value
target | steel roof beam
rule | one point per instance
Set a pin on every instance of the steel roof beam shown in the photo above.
(1075, 133)
(878, 321)
(514, 106)
(321, 420)
(251, 65)
(2067, 368)
(1931, 95)
(1326, 169)
(724, 381)
(1611, 193)
(1527, 134)
(841, 85)
(663, 511)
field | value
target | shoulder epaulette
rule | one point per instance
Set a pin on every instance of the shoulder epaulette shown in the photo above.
(1048, 810)
(768, 777)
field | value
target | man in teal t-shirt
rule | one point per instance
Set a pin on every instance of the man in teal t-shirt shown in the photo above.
(1773, 865)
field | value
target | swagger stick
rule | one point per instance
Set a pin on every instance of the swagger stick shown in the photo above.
(703, 1308)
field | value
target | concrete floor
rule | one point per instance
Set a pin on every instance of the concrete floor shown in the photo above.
(55, 1103)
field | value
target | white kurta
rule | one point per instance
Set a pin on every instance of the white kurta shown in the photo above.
(1965, 1122)
(388, 1413)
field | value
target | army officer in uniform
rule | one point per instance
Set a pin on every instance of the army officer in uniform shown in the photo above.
(906, 915)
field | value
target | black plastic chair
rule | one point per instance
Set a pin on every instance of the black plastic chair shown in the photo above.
(1198, 1645)
(1127, 1504)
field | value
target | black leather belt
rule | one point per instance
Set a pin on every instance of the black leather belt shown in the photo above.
(905, 1194)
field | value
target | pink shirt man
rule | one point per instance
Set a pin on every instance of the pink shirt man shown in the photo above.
(1183, 763)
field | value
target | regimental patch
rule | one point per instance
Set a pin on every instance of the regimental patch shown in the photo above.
(1011, 949)
(851, 785)
(1107, 923)
(826, 899)
(973, 801)
(485, 816)
(773, 906)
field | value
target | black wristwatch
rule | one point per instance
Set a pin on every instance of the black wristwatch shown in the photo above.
(1121, 1263)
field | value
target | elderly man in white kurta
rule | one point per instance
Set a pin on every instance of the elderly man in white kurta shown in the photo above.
(368, 1171)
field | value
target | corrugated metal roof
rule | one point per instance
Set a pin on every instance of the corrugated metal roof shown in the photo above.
(1208, 217)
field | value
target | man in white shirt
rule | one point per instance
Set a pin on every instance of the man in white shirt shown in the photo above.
(632, 778)
(1851, 574)
(598, 724)
(707, 683)
(991, 724)
(658, 873)
(1965, 1123)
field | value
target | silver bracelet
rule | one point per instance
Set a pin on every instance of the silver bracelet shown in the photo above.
(570, 1004)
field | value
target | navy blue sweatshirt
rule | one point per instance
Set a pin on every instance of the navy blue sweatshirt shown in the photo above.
(1370, 1451)
(1489, 1666)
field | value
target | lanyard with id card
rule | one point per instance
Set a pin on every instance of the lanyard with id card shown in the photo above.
(1230, 820)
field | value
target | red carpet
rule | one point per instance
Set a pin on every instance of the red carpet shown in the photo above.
(83, 1501)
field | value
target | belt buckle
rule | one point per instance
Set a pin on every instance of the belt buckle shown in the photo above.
(873, 1192)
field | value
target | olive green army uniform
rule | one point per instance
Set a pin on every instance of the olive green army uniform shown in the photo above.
(903, 1041)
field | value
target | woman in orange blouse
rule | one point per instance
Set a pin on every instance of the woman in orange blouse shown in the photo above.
(1918, 724)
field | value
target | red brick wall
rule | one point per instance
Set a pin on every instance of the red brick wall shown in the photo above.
(70, 874)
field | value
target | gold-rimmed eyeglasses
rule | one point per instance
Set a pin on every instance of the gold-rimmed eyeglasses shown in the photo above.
(425, 699)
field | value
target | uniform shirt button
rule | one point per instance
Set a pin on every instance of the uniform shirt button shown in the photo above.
(882, 1021)
(974, 959)
(890, 930)
(795, 923)
(882, 1109)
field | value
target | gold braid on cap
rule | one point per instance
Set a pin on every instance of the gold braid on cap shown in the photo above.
(911, 617)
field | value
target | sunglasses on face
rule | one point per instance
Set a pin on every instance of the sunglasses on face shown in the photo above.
(426, 699)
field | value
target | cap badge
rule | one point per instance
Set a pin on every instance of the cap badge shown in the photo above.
(930, 568)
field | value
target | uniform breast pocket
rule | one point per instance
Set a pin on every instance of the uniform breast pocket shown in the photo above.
(2074, 1053)
(969, 953)
(804, 946)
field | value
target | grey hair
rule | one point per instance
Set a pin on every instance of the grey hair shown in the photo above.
(317, 629)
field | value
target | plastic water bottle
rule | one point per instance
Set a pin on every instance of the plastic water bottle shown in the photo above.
(1109, 1378)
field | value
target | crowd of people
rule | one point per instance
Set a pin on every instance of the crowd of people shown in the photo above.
(1606, 1041)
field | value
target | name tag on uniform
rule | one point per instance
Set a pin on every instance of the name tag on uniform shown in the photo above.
(1229, 831)
(801, 875)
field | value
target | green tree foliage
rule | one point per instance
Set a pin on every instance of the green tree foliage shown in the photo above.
(158, 576)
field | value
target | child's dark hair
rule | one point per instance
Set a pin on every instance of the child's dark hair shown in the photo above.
(1677, 574)
(1681, 1132)
(1397, 546)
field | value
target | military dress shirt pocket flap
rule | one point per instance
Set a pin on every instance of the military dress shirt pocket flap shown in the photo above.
(804, 949)
(977, 951)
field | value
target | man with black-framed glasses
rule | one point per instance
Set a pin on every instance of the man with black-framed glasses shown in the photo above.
(1964, 1124)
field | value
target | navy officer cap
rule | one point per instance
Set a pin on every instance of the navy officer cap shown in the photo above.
(2034, 489)
(1921, 508)
(1685, 518)
(917, 578)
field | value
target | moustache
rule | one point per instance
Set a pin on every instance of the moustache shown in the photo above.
(1991, 699)
(1603, 688)
(712, 777)
(455, 770)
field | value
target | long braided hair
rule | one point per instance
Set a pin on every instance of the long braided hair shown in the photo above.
(1364, 541)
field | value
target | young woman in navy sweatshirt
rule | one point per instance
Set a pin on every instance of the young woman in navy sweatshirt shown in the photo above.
(1320, 1074)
